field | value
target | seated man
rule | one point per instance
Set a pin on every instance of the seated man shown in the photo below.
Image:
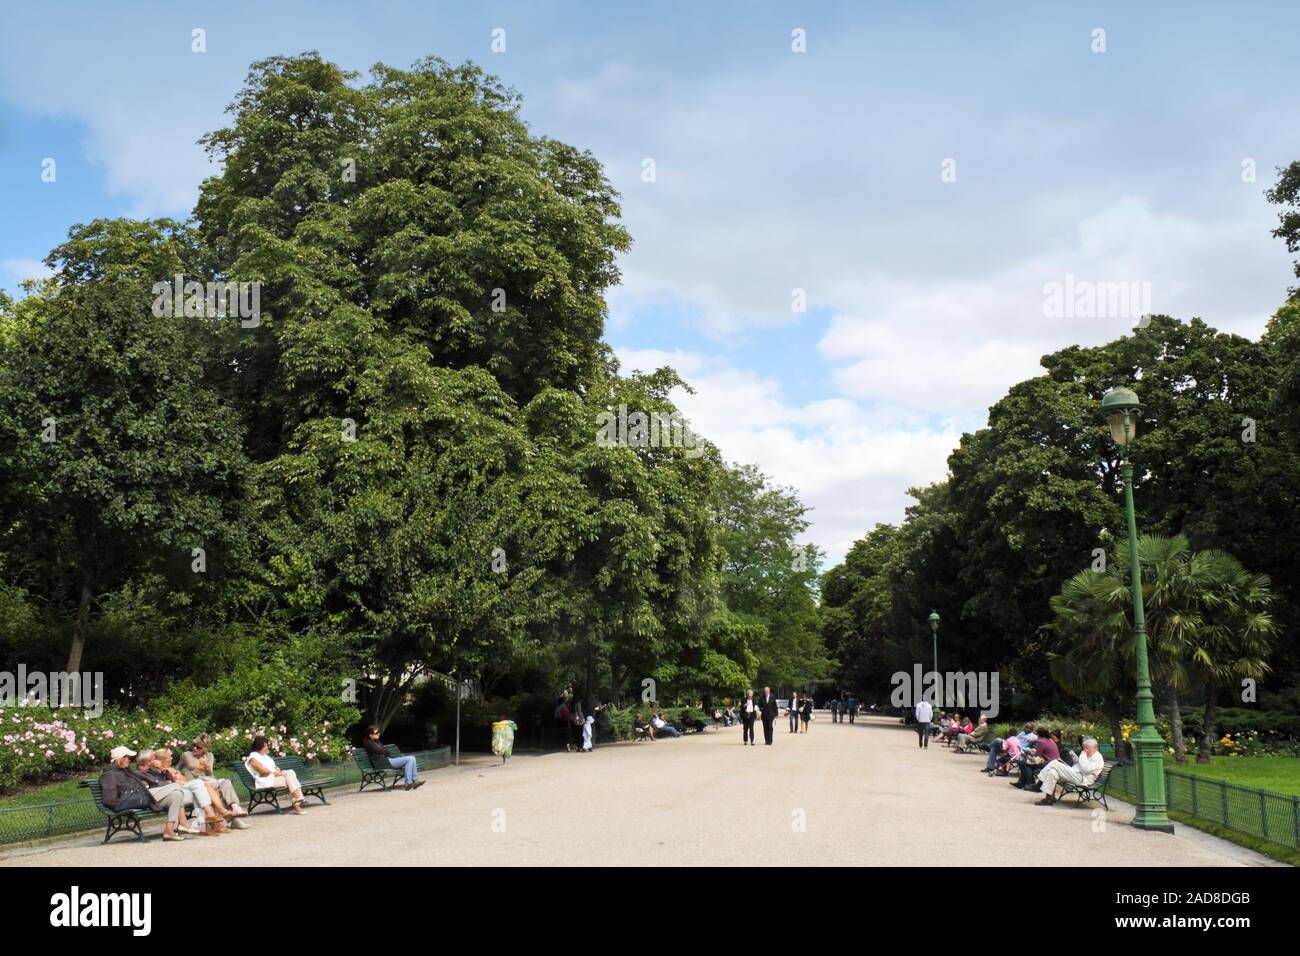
(970, 740)
(193, 793)
(124, 789)
(380, 760)
(662, 726)
(1082, 774)
(1036, 757)
(196, 764)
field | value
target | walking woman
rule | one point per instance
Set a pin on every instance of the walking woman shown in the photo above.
(805, 713)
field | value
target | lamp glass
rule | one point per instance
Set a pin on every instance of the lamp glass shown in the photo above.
(1117, 432)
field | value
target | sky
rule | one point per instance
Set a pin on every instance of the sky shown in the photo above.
(861, 216)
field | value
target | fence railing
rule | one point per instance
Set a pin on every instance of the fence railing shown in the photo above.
(37, 820)
(1261, 813)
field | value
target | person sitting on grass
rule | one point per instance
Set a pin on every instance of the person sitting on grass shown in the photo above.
(122, 788)
(196, 764)
(380, 760)
(663, 727)
(267, 776)
(1084, 773)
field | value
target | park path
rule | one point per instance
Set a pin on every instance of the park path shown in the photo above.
(858, 795)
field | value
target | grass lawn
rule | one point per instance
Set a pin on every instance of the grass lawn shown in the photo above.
(1278, 774)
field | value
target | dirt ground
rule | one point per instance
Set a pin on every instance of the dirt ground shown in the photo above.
(859, 795)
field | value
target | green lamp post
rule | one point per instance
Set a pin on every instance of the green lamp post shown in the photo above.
(938, 681)
(1122, 408)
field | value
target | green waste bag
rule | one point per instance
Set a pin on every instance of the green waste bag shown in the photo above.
(503, 738)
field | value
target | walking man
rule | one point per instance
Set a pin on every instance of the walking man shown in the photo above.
(793, 711)
(835, 710)
(767, 710)
(924, 713)
(748, 711)
(853, 708)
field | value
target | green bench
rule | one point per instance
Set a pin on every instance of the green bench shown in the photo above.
(1088, 793)
(128, 820)
(312, 786)
(371, 774)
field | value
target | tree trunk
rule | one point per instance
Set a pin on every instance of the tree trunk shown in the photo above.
(1207, 732)
(1116, 728)
(79, 639)
(1176, 727)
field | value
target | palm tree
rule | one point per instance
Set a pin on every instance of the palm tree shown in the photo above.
(1207, 619)
(1094, 651)
(1236, 631)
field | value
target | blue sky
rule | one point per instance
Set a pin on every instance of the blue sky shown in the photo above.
(775, 171)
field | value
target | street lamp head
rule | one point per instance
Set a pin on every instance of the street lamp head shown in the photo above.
(934, 620)
(1121, 408)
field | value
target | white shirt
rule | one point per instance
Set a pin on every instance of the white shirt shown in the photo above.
(262, 782)
(1090, 766)
(749, 705)
(659, 723)
(924, 712)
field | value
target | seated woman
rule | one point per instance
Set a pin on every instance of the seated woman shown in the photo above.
(266, 775)
(214, 810)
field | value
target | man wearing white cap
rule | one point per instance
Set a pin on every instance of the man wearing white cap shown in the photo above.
(124, 789)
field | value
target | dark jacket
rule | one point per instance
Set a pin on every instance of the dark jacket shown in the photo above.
(378, 756)
(118, 784)
(740, 709)
(767, 708)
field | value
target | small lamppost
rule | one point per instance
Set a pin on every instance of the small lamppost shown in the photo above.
(1122, 408)
(938, 680)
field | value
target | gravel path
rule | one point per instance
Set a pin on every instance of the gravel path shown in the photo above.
(860, 794)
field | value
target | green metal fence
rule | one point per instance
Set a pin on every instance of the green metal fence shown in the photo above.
(37, 820)
(1260, 813)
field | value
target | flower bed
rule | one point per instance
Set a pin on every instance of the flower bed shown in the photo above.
(36, 743)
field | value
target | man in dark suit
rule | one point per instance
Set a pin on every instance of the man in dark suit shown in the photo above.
(767, 709)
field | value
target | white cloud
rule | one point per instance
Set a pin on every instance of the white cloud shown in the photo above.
(20, 270)
(851, 464)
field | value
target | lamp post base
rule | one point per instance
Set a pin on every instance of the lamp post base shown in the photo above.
(1148, 754)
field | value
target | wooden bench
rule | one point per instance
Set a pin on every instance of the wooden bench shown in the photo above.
(128, 820)
(1087, 793)
(371, 774)
(311, 786)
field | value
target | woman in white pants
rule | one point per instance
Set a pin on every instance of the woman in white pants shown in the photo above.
(1081, 774)
(267, 775)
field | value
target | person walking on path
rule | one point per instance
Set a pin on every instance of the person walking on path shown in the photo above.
(748, 712)
(924, 714)
(793, 710)
(835, 710)
(853, 708)
(805, 712)
(767, 710)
